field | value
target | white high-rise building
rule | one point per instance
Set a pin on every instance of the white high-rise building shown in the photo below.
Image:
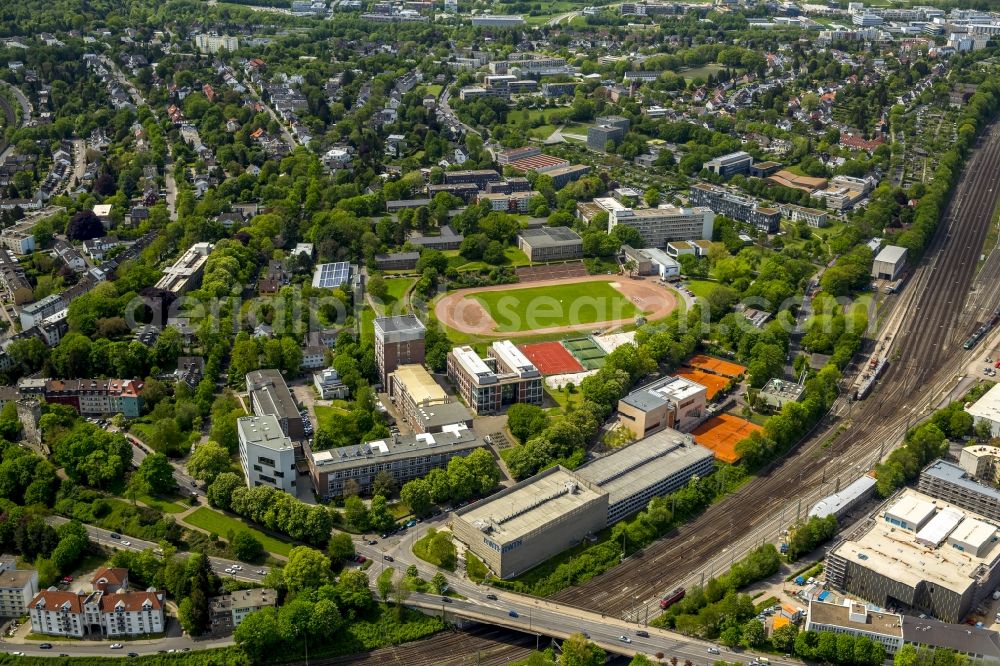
(266, 454)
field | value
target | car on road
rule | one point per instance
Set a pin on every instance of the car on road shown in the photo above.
(238, 567)
(373, 542)
(385, 535)
(126, 543)
(644, 634)
(411, 523)
(388, 558)
(230, 571)
(116, 646)
(447, 600)
(133, 654)
(624, 639)
(114, 535)
(45, 646)
(512, 613)
(17, 654)
(491, 596)
(260, 572)
(713, 650)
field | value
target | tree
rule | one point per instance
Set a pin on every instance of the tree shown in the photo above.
(326, 620)
(416, 495)
(439, 582)
(157, 473)
(525, 421)
(356, 512)
(905, 656)
(353, 590)
(783, 638)
(378, 288)
(578, 651)
(379, 517)
(307, 569)
(341, 547)
(208, 461)
(84, 225)
(753, 634)
(384, 583)
(384, 484)
(247, 547)
(220, 492)
(258, 634)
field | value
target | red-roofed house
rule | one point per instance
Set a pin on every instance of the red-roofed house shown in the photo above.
(110, 579)
(860, 143)
(58, 613)
(100, 613)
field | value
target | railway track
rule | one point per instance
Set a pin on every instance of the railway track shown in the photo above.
(930, 337)
(483, 645)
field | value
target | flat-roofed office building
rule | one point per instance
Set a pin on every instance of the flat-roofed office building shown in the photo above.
(269, 395)
(504, 377)
(424, 405)
(670, 402)
(922, 555)
(266, 453)
(659, 226)
(398, 340)
(404, 456)
(652, 467)
(526, 524)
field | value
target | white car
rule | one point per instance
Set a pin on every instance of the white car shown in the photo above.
(126, 543)
(230, 571)
(237, 567)
(624, 639)
(261, 572)
(116, 646)
(17, 654)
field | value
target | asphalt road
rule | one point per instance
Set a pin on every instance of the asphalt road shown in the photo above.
(126, 542)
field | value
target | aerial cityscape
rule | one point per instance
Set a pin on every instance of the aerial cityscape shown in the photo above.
(456, 332)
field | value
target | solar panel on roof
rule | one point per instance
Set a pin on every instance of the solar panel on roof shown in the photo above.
(332, 275)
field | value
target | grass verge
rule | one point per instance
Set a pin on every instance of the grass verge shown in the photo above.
(221, 524)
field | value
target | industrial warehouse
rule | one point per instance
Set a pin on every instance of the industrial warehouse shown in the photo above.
(524, 525)
(922, 555)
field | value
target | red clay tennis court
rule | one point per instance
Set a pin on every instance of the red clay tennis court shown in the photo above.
(721, 433)
(714, 383)
(551, 358)
(716, 366)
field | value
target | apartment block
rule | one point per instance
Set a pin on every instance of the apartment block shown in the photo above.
(266, 453)
(503, 378)
(659, 226)
(228, 611)
(955, 485)
(17, 588)
(97, 397)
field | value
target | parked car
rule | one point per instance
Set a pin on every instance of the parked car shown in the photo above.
(133, 654)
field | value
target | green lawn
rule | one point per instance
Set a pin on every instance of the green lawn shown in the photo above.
(164, 505)
(368, 326)
(702, 71)
(559, 305)
(514, 258)
(323, 414)
(701, 288)
(221, 524)
(396, 288)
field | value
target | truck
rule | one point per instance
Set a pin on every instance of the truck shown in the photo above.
(672, 598)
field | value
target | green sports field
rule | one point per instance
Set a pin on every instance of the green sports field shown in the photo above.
(535, 308)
